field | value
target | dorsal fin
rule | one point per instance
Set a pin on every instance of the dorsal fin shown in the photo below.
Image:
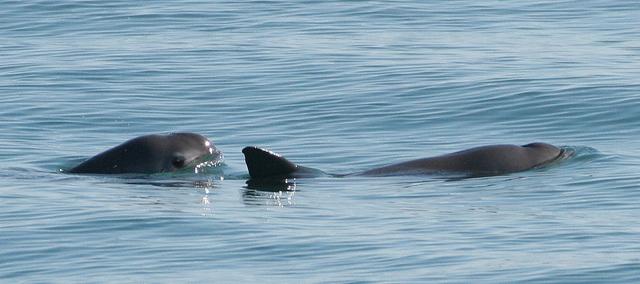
(264, 163)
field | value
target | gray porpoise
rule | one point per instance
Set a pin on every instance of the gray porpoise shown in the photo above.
(150, 154)
(484, 160)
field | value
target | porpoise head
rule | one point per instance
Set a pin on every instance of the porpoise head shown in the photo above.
(153, 154)
(542, 153)
(188, 150)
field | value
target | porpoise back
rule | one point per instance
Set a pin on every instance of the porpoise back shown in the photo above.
(484, 160)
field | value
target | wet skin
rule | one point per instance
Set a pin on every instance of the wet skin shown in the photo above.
(484, 160)
(150, 154)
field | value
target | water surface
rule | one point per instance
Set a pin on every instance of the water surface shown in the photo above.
(339, 86)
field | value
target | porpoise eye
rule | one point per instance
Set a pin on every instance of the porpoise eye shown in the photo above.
(178, 162)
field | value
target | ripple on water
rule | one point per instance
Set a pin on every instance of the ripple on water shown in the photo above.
(339, 86)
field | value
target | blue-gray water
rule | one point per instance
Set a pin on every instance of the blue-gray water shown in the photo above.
(340, 86)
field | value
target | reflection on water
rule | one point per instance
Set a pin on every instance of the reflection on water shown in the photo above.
(207, 205)
(206, 184)
(272, 185)
(270, 192)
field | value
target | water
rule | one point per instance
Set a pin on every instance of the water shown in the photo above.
(339, 86)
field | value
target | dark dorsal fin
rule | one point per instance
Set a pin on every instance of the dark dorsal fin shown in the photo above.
(264, 163)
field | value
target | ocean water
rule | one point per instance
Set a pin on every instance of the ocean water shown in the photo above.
(342, 86)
